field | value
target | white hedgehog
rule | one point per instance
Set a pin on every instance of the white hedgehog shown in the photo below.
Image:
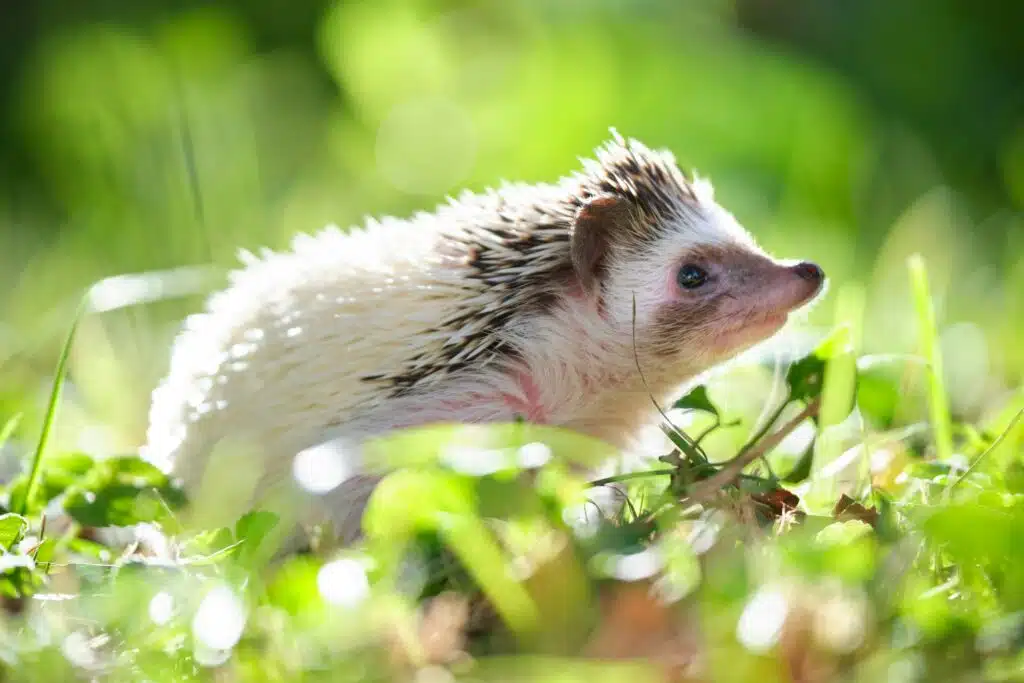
(531, 301)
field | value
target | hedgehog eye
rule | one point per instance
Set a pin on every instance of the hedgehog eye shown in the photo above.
(691, 276)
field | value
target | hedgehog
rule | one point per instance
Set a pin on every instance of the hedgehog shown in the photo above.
(571, 304)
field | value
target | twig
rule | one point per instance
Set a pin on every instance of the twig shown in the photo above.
(735, 466)
(765, 428)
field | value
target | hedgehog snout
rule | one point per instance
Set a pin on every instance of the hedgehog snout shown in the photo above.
(811, 272)
(812, 276)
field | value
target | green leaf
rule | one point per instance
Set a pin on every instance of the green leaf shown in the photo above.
(18, 576)
(879, 396)
(882, 385)
(507, 498)
(251, 530)
(294, 589)
(12, 530)
(430, 445)
(887, 525)
(409, 501)
(697, 399)
(1014, 477)
(694, 455)
(67, 467)
(413, 500)
(89, 549)
(802, 469)
(806, 377)
(207, 543)
(122, 491)
(849, 550)
(928, 470)
(59, 473)
(842, 533)
(45, 551)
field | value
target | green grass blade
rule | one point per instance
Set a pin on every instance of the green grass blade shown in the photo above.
(470, 540)
(937, 399)
(7, 431)
(51, 410)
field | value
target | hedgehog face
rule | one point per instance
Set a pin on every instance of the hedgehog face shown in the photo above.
(698, 290)
(724, 299)
(711, 300)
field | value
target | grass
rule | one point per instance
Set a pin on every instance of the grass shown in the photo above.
(36, 470)
(851, 514)
(929, 339)
(712, 569)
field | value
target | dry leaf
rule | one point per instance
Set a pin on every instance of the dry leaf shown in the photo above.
(848, 509)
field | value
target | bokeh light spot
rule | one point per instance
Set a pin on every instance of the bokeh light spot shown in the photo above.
(161, 608)
(476, 462)
(321, 468)
(220, 619)
(534, 454)
(637, 566)
(761, 623)
(343, 582)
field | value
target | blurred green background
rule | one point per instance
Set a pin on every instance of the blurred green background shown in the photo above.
(137, 136)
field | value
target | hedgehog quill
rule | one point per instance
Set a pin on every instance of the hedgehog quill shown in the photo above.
(528, 301)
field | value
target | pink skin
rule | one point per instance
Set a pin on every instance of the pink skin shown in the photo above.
(526, 402)
(529, 404)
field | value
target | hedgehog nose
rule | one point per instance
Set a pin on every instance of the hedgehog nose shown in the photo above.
(811, 272)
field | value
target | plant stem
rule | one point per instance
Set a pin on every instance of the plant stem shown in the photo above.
(937, 400)
(664, 471)
(755, 449)
(768, 424)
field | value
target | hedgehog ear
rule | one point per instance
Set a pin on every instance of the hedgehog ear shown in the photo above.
(593, 228)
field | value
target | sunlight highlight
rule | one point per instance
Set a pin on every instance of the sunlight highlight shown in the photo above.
(638, 566)
(761, 623)
(161, 608)
(78, 651)
(343, 582)
(220, 619)
(477, 462)
(321, 468)
(534, 455)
